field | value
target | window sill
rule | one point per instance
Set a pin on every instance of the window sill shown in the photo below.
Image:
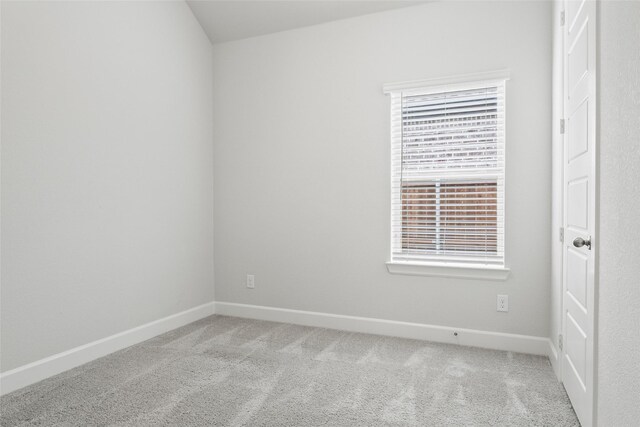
(463, 271)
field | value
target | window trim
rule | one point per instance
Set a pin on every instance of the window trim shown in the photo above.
(450, 268)
(438, 83)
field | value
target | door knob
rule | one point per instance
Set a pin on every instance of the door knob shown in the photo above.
(579, 242)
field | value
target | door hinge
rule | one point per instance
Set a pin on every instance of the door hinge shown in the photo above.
(562, 126)
(562, 18)
(560, 342)
(561, 235)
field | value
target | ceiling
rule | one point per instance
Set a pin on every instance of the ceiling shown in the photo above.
(238, 19)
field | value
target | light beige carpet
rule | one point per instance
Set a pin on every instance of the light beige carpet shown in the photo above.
(237, 372)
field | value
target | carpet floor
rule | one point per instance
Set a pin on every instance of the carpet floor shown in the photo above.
(225, 371)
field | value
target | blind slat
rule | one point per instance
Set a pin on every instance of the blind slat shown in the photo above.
(448, 175)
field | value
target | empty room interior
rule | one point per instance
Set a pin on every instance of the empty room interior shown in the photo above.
(320, 213)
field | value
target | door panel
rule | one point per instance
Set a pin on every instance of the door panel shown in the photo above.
(578, 127)
(579, 206)
(578, 58)
(577, 198)
(572, 9)
(577, 266)
(577, 348)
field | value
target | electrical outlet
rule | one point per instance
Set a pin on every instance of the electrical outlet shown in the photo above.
(503, 302)
(251, 281)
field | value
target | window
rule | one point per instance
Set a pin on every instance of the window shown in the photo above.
(448, 161)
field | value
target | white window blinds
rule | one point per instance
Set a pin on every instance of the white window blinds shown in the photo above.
(448, 162)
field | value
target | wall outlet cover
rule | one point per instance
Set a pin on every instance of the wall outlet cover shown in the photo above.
(503, 303)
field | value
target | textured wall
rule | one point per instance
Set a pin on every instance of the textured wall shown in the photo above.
(301, 143)
(107, 191)
(619, 287)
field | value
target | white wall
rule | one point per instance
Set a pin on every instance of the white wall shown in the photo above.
(107, 193)
(619, 266)
(301, 176)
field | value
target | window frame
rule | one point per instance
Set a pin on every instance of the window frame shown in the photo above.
(445, 265)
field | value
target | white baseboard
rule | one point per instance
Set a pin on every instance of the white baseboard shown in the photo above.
(53, 365)
(444, 334)
(554, 358)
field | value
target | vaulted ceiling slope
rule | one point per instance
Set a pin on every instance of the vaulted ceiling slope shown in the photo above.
(233, 20)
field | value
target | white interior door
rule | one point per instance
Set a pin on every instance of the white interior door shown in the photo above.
(579, 206)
